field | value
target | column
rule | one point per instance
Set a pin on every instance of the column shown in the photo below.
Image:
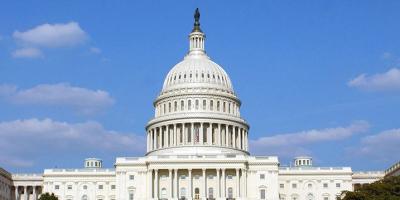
(245, 183)
(218, 184)
(165, 137)
(209, 134)
(205, 184)
(190, 184)
(219, 135)
(175, 136)
(149, 184)
(176, 196)
(148, 141)
(201, 138)
(183, 134)
(26, 195)
(192, 134)
(156, 184)
(159, 132)
(170, 184)
(240, 138)
(234, 136)
(237, 184)
(223, 189)
(34, 193)
(226, 135)
(16, 193)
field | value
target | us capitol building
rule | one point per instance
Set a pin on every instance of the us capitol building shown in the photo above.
(197, 148)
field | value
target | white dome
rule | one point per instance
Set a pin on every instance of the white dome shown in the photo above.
(197, 71)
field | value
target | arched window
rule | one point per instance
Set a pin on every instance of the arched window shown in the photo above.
(182, 105)
(211, 193)
(169, 107)
(224, 107)
(183, 193)
(230, 192)
(218, 106)
(211, 105)
(204, 104)
(262, 194)
(175, 106)
(197, 104)
(189, 104)
(163, 193)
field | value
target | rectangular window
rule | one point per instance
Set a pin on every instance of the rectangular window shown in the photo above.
(69, 187)
(338, 185)
(131, 177)
(100, 187)
(56, 187)
(282, 185)
(131, 196)
(113, 187)
(325, 185)
(326, 198)
(262, 176)
(294, 185)
(262, 194)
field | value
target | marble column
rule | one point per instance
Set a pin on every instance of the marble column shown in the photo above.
(219, 135)
(190, 184)
(176, 195)
(205, 184)
(34, 193)
(170, 183)
(26, 195)
(150, 184)
(156, 184)
(218, 184)
(237, 184)
(223, 189)
(16, 193)
(201, 134)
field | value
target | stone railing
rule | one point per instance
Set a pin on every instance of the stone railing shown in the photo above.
(80, 170)
(314, 168)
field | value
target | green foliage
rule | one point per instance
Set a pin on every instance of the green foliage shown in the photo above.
(386, 189)
(47, 196)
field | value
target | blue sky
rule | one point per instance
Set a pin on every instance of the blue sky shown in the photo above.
(321, 78)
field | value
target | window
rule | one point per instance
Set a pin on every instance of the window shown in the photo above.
(218, 105)
(169, 107)
(230, 192)
(282, 185)
(56, 187)
(326, 198)
(84, 197)
(113, 187)
(100, 187)
(309, 186)
(183, 177)
(197, 104)
(224, 107)
(262, 176)
(182, 105)
(175, 106)
(204, 104)
(229, 177)
(131, 177)
(325, 185)
(262, 194)
(69, 187)
(183, 193)
(189, 105)
(85, 187)
(338, 185)
(131, 195)
(211, 193)
(211, 105)
(294, 185)
(163, 193)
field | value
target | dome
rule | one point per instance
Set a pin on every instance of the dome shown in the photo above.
(197, 71)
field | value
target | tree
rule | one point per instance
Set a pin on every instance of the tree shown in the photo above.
(385, 189)
(47, 196)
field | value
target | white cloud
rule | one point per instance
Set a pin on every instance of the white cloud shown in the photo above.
(95, 50)
(52, 35)
(389, 80)
(383, 146)
(28, 52)
(23, 141)
(294, 144)
(83, 100)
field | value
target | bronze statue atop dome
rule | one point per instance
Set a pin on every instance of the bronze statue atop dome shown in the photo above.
(196, 20)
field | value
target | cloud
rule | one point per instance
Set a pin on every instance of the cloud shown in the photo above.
(389, 80)
(383, 146)
(52, 35)
(294, 144)
(83, 100)
(386, 56)
(27, 52)
(95, 50)
(23, 141)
